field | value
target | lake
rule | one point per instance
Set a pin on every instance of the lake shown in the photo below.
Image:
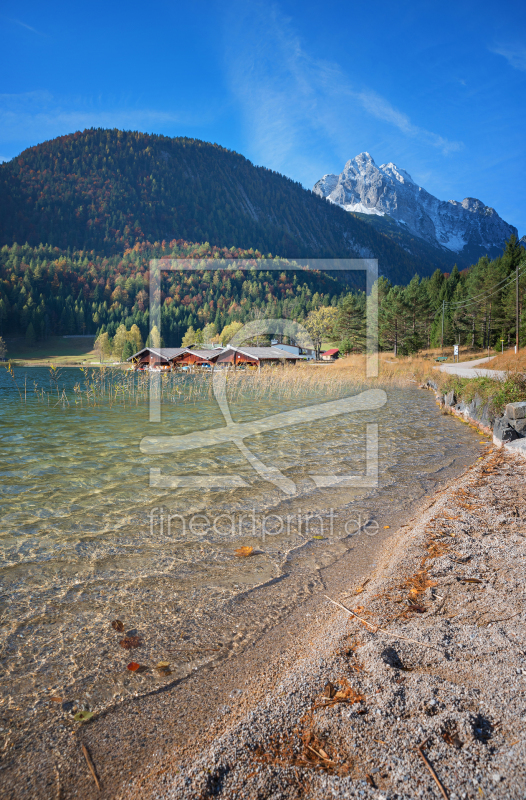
(85, 538)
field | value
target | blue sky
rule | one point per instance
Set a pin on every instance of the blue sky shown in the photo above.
(300, 87)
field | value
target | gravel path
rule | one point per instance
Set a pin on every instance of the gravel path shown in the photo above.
(356, 711)
(470, 369)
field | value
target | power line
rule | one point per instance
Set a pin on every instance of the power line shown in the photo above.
(481, 297)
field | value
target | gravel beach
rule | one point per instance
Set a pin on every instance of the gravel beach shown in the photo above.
(424, 696)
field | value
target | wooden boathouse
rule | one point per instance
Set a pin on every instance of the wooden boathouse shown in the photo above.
(170, 358)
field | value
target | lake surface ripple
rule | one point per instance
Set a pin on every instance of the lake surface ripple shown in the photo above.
(82, 544)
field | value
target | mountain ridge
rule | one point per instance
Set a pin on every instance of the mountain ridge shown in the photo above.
(106, 190)
(466, 230)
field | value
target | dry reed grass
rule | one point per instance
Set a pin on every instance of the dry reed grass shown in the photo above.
(510, 361)
(113, 386)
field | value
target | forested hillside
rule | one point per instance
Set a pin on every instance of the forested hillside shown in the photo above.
(96, 206)
(45, 291)
(479, 306)
(106, 190)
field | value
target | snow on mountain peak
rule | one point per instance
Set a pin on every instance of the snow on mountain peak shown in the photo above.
(365, 188)
(365, 156)
(399, 174)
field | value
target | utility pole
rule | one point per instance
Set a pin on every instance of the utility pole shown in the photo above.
(517, 310)
(443, 312)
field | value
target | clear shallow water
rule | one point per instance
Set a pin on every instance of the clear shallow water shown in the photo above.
(82, 541)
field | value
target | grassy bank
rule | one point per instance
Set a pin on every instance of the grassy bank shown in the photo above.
(496, 393)
(415, 370)
(56, 350)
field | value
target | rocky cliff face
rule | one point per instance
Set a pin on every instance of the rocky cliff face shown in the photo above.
(468, 228)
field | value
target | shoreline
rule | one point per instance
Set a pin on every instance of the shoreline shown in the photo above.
(461, 690)
(125, 737)
(124, 741)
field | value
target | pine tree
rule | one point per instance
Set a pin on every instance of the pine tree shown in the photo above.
(418, 308)
(350, 322)
(30, 335)
(128, 351)
(393, 320)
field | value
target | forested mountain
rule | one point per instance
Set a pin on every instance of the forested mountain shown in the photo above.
(95, 207)
(106, 190)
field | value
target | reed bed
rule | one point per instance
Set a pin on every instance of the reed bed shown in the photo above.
(115, 387)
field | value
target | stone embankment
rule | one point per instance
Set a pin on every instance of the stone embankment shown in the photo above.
(508, 429)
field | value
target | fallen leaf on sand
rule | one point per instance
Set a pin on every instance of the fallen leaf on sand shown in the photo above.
(83, 716)
(329, 690)
(361, 588)
(56, 699)
(129, 642)
(243, 552)
(117, 625)
(163, 668)
(416, 606)
(318, 537)
(133, 666)
(386, 526)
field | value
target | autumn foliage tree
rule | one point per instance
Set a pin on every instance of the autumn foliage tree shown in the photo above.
(320, 324)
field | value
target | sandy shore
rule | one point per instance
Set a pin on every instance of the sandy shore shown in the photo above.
(432, 703)
(266, 723)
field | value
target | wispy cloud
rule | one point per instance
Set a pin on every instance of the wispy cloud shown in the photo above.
(27, 27)
(380, 108)
(515, 54)
(294, 102)
(36, 116)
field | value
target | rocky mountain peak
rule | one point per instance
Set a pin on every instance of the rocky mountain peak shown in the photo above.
(469, 227)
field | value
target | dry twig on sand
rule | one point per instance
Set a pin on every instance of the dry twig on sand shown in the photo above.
(376, 628)
(91, 765)
(431, 770)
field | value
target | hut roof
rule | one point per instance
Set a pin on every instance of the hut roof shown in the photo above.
(165, 353)
(264, 353)
(206, 354)
(257, 353)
